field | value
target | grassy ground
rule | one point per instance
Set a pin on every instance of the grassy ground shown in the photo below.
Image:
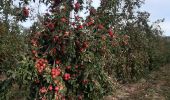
(155, 86)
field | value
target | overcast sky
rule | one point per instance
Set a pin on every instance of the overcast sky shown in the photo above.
(157, 8)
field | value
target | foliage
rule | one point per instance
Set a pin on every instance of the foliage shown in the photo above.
(75, 58)
(12, 47)
(70, 56)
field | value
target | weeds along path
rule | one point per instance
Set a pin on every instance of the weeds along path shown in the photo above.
(156, 86)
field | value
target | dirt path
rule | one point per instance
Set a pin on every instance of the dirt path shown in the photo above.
(155, 87)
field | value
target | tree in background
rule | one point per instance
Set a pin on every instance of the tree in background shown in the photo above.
(13, 47)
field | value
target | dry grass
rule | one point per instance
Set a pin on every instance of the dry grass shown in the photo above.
(154, 87)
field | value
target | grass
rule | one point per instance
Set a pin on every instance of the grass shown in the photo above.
(156, 86)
